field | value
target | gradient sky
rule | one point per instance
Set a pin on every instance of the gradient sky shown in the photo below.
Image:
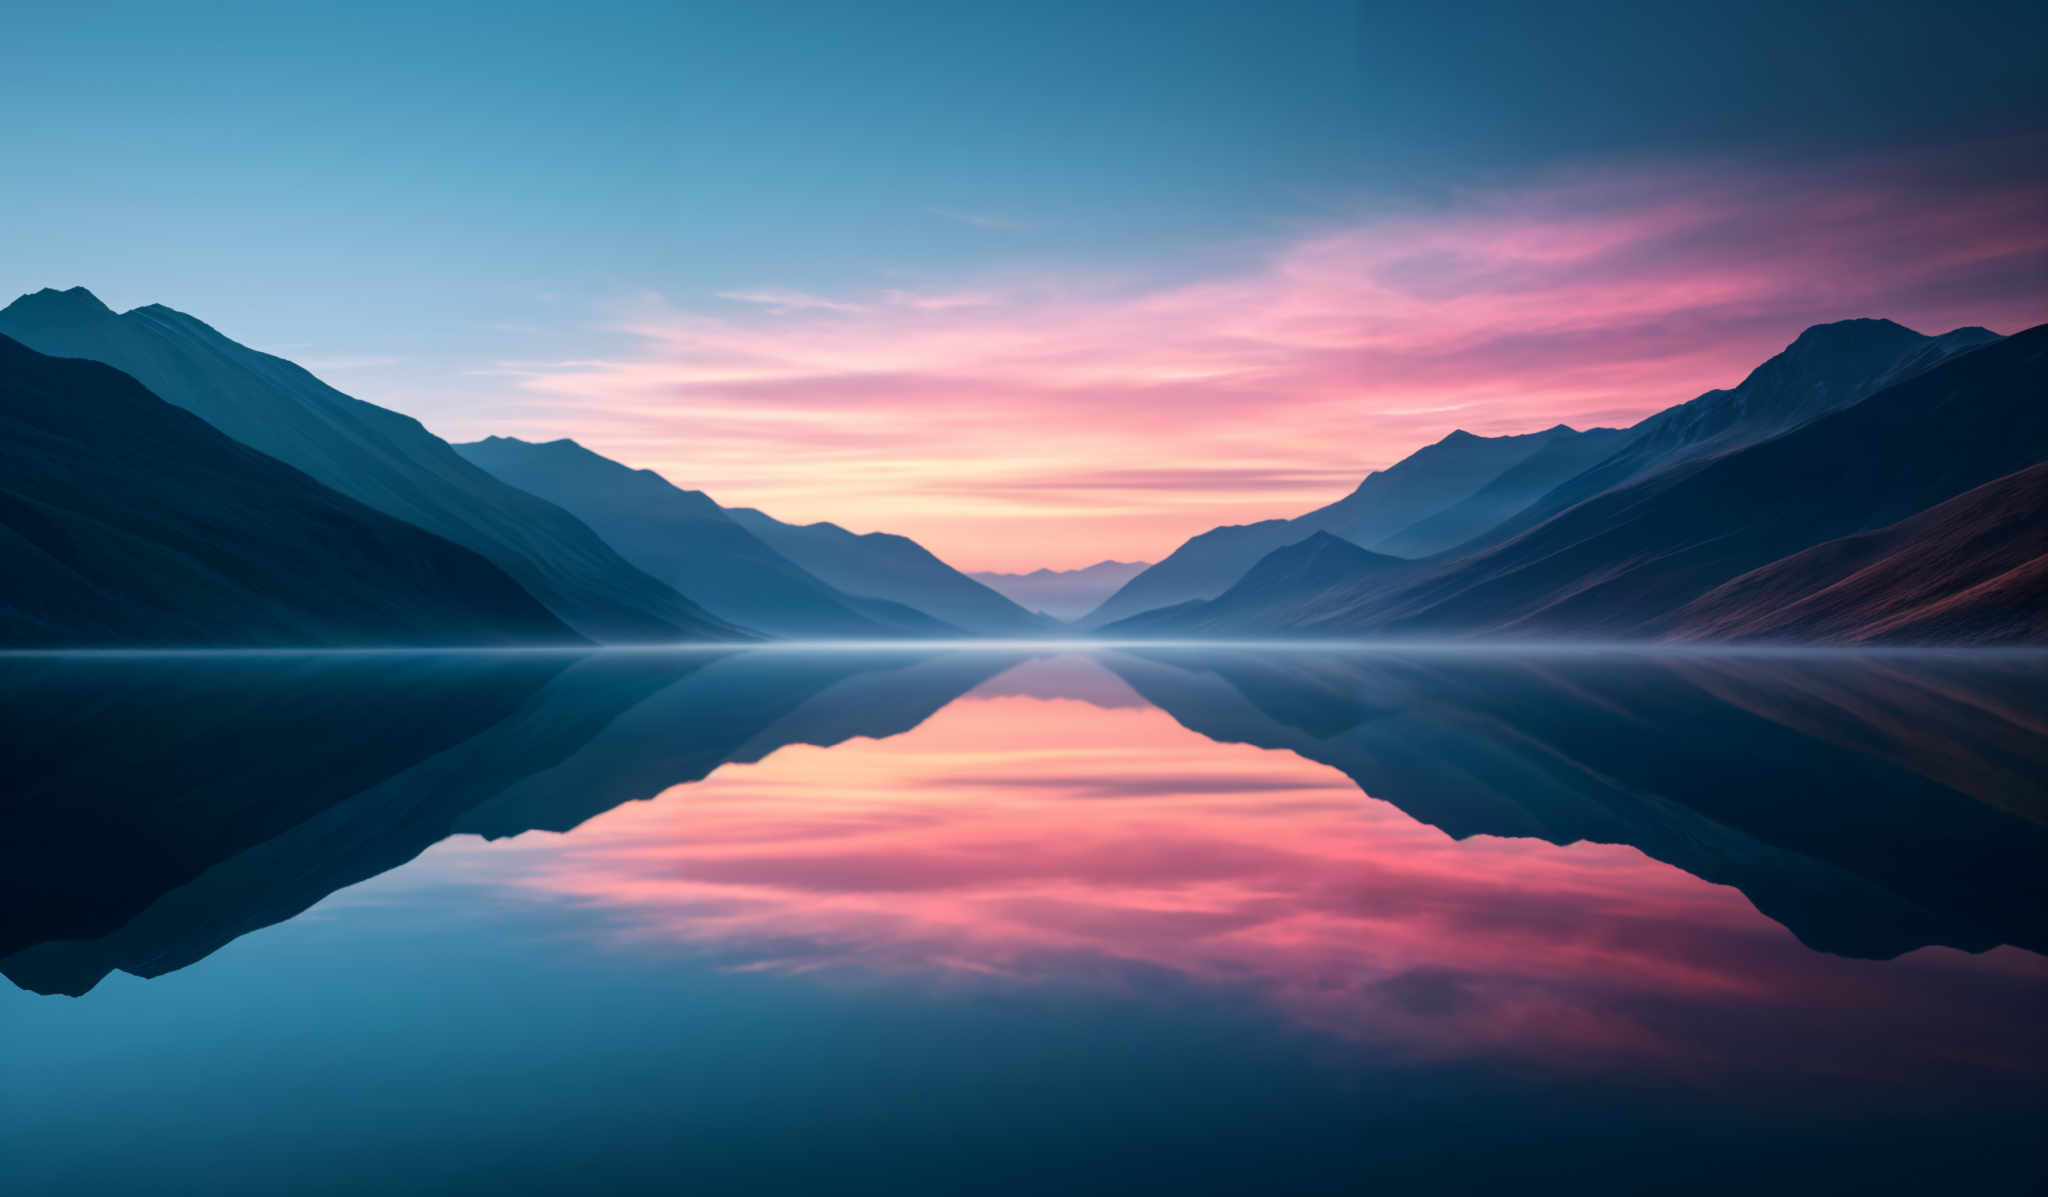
(1039, 283)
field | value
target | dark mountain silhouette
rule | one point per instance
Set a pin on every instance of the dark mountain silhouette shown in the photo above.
(375, 456)
(1971, 570)
(222, 843)
(1616, 564)
(1859, 804)
(1063, 593)
(1826, 368)
(125, 521)
(688, 541)
(1385, 504)
(880, 565)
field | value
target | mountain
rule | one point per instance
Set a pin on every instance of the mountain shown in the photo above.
(1063, 594)
(1616, 564)
(1826, 368)
(1385, 504)
(684, 539)
(896, 569)
(1973, 569)
(125, 521)
(375, 456)
(1512, 490)
(1276, 590)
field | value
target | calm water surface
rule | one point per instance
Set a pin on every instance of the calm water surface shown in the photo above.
(1176, 921)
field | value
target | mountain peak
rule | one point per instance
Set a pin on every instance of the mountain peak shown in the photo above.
(1861, 330)
(75, 305)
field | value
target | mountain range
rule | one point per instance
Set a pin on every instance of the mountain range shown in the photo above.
(1065, 594)
(167, 485)
(688, 541)
(376, 456)
(1855, 427)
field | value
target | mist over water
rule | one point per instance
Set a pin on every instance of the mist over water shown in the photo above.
(1005, 917)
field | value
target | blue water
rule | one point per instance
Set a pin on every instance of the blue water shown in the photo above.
(984, 921)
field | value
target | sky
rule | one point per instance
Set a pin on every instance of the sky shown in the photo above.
(1037, 284)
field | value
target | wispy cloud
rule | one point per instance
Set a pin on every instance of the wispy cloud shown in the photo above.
(1061, 417)
(781, 302)
(979, 220)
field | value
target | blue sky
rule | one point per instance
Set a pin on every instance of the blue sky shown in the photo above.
(421, 201)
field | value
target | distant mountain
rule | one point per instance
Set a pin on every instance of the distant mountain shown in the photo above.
(1276, 591)
(1063, 594)
(897, 569)
(688, 541)
(375, 456)
(125, 521)
(1385, 504)
(1617, 564)
(1973, 569)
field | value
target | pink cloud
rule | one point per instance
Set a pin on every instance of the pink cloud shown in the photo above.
(1063, 417)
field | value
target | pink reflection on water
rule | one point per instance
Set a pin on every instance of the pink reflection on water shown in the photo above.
(1031, 840)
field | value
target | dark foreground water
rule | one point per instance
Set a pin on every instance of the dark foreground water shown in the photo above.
(986, 922)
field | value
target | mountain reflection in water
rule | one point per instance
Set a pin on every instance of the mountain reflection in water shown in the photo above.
(1575, 863)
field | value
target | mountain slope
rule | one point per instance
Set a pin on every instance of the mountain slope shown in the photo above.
(688, 541)
(1510, 492)
(375, 456)
(1386, 502)
(1274, 592)
(1063, 594)
(1973, 569)
(124, 520)
(1615, 564)
(1826, 368)
(896, 569)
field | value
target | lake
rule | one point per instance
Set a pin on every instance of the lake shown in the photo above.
(1015, 920)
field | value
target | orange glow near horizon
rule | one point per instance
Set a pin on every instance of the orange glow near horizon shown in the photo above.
(1016, 839)
(1059, 416)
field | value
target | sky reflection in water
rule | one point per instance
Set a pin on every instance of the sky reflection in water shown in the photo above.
(1051, 821)
(992, 922)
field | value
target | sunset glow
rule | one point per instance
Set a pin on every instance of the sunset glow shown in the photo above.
(1060, 416)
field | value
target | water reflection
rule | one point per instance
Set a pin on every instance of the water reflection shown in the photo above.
(1510, 891)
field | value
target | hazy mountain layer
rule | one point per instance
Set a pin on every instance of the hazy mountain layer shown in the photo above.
(1385, 504)
(1063, 593)
(880, 565)
(686, 540)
